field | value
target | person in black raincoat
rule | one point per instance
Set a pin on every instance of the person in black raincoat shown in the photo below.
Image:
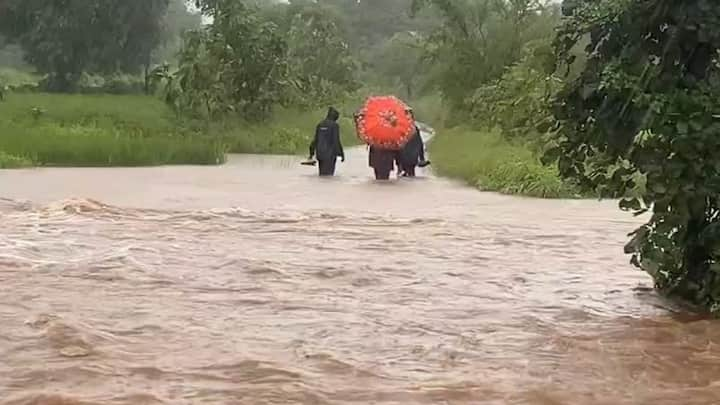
(382, 161)
(326, 145)
(412, 154)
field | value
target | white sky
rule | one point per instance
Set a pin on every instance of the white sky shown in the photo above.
(208, 20)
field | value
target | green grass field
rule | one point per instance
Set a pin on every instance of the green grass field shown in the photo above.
(288, 132)
(135, 130)
(98, 130)
(488, 161)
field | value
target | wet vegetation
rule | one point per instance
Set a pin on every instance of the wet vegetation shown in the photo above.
(132, 130)
(493, 69)
(491, 162)
(99, 130)
(206, 86)
(258, 76)
(622, 101)
(641, 124)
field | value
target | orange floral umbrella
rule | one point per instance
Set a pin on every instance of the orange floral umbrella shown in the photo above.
(385, 122)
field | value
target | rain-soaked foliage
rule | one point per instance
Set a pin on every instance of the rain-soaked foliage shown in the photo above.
(235, 64)
(247, 62)
(66, 39)
(641, 122)
(479, 39)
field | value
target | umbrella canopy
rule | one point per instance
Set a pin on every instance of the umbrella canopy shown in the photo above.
(385, 122)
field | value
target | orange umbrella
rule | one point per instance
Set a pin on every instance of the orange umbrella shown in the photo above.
(385, 122)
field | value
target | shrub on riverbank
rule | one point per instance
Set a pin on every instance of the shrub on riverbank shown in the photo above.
(131, 130)
(490, 162)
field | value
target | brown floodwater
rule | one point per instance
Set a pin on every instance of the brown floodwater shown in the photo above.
(259, 283)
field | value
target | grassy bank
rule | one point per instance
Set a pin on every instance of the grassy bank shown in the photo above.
(488, 161)
(84, 130)
(288, 132)
(132, 130)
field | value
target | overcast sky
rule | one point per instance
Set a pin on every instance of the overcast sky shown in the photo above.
(208, 20)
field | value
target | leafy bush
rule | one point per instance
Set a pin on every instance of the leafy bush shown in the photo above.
(320, 65)
(519, 102)
(640, 123)
(234, 65)
(478, 40)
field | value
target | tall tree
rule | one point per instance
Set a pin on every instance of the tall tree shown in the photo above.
(398, 63)
(372, 22)
(11, 55)
(235, 64)
(641, 123)
(477, 40)
(65, 39)
(178, 20)
(321, 66)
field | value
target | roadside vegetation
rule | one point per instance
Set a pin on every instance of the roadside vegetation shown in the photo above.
(260, 76)
(494, 83)
(490, 162)
(611, 102)
(138, 130)
(98, 130)
(617, 99)
(107, 107)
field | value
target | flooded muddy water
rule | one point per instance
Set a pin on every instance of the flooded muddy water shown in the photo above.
(259, 283)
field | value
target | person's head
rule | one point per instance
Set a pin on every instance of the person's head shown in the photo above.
(411, 113)
(333, 114)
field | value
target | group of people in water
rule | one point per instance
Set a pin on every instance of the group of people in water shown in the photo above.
(326, 147)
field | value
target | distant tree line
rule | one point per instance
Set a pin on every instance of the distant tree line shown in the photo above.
(64, 40)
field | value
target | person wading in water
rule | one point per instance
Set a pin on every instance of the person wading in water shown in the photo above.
(382, 161)
(326, 145)
(412, 155)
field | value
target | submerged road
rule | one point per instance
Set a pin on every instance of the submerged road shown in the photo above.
(258, 283)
